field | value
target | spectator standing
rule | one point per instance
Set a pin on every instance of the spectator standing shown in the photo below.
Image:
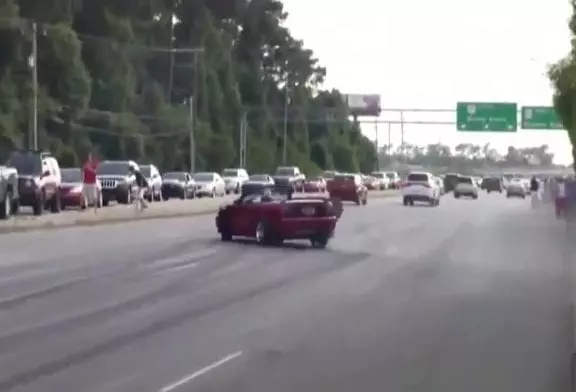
(89, 180)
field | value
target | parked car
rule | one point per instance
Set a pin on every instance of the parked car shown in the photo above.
(440, 183)
(178, 185)
(370, 182)
(152, 174)
(289, 176)
(72, 190)
(273, 219)
(395, 180)
(261, 178)
(348, 187)
(516, 188)
(9, 198)
(382, 182)
(209, 184)
(234, 178)
(118, 183)
(39, 180)
(315, 184)
(492, 184)
(421, 187)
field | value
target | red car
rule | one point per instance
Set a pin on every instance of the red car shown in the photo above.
(315, 185)
(71, 190)
(348, 187)
(273, 219)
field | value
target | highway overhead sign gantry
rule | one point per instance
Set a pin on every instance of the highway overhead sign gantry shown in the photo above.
(486, 116)
(540, 117)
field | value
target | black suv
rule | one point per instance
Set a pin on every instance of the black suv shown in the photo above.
(117, 181)
(38, 180)
(492, 184)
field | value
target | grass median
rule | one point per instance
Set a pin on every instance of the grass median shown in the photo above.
(148, 214)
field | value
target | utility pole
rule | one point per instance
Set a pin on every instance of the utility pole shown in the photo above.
(34, 68)
(402, 133)
(286, 108)
(389, 138)
(193, 99)
(192, 136)
(377, 144)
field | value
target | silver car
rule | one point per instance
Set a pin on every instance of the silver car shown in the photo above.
(209, 184)
(516, 188)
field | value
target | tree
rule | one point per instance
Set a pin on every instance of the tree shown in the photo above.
(109, 83)
(467, 156)
(563, 77)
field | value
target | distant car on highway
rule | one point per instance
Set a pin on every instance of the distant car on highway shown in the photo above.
(450, 181)
(492, 184)
(516, 188)
(348, 187)
(273, 218)
(420, 187)
(382, 181)
(466, 186)
(261, 179)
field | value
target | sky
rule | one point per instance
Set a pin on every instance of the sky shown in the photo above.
(422, 54)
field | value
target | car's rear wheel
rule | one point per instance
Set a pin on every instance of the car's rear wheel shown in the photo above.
(457, 195)
(6, 206)
(319, 241)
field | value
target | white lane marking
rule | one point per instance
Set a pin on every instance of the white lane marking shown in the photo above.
(181, 267)
(201, 372)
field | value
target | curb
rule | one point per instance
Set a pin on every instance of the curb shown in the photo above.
(134, 218)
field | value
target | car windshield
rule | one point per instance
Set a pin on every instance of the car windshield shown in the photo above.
(391, 175)
(204, 177)
(114, 168)
(464, 180)
(146, 170)
(378, 175)
(344, 177)
(26, 164)
(328, 174)
(259, 177)
(230, 173)
(174, 176)
(418, 177)
(285, 171)
(71, 175)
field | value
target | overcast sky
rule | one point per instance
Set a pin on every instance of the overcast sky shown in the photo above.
(431, 54)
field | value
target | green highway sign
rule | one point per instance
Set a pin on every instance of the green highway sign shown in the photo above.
(540, 117)
(486, 117)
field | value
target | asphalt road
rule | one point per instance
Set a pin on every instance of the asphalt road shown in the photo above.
(473, 296)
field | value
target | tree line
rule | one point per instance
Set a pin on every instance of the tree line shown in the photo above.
(116, 77)
(466, 156)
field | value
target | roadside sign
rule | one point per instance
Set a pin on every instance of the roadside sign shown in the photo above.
(486, 117)
(540, 117)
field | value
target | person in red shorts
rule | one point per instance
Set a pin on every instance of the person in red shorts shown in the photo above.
(560, 198)
(90, 178)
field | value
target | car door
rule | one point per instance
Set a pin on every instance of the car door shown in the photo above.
(242, 216)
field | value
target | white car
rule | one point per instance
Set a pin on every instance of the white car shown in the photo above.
(234, 178)
(209, 184)
(466, 186)
(422, 187)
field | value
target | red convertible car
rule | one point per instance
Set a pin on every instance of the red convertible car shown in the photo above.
(271, 219)
(348, 187)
